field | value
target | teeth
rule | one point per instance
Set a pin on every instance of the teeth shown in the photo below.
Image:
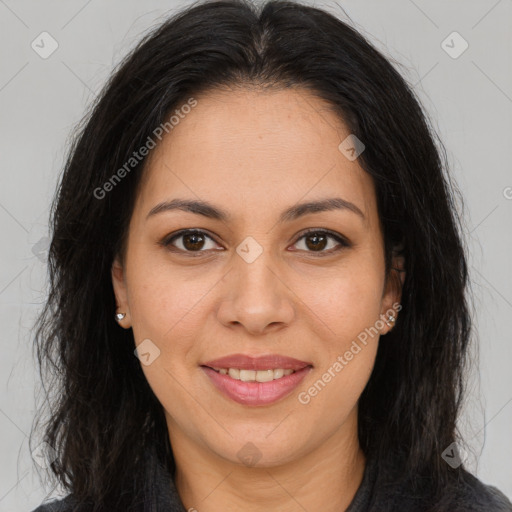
(254, 375)
(262, 375)
(234, 373)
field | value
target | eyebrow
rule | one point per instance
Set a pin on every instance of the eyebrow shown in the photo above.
(208, 210)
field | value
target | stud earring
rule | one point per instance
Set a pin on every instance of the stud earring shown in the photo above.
(391, 320)
(120, 316)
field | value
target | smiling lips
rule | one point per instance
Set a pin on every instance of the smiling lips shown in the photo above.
(256, 380)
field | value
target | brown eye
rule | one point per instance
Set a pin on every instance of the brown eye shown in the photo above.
(189, 241)
(318, 240)
(193, 241)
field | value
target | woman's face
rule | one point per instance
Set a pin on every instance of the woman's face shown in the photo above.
(253, 283)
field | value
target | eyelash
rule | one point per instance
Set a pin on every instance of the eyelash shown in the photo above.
(343, 243)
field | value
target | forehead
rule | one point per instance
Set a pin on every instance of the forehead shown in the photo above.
(257, 149)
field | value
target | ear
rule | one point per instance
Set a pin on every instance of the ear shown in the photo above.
(393, 289)
(120, 291)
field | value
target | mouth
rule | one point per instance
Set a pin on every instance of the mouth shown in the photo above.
(256, 381)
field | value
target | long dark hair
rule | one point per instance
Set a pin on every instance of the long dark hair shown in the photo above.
(103, 414)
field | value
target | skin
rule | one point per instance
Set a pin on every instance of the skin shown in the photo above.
(254, 154)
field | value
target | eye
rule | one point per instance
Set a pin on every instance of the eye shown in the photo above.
(316, 240)
(195, 241)
(189, 240)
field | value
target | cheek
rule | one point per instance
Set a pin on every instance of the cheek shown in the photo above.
(350, 309)
(164, 308)
(346, 306)
(163, 299)
(346, 300)
(335, 392)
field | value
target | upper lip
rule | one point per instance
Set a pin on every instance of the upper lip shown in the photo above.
(266, 362)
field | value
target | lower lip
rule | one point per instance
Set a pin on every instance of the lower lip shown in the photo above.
(256, 393)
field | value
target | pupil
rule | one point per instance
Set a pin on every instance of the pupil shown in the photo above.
(195, 244)
(316, 244)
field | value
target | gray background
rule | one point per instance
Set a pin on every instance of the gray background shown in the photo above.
(469, 99)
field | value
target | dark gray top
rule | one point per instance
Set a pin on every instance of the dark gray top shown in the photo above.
(467, 494)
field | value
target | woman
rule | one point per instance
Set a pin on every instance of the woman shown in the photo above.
(258, 280)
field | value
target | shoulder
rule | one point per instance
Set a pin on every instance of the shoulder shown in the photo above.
(463, 492)
(472, 495)
(58, 505)
(466, 493)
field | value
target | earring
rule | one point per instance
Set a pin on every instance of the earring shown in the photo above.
(391, 320)
(120, 316)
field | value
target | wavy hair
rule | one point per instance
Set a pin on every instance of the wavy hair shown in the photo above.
(102, 414)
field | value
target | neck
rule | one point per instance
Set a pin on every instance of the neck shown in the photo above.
(325, 478)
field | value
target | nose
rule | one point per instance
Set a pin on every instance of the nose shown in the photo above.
(256, 296)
